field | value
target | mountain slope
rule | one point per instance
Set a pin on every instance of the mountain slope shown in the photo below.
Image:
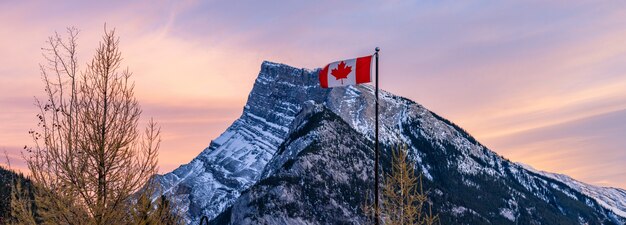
(234, 160)
(610, 198)
(320, 176)
(245, 170)
(311, 183)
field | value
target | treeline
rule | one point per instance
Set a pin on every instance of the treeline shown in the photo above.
(9, 182)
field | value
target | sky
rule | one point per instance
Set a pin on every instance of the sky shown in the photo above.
(541, 83)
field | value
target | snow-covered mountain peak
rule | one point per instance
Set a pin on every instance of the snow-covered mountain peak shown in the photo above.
(234, 160)
(269, 134)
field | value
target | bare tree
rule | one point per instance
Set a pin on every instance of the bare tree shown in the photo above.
(89, 157)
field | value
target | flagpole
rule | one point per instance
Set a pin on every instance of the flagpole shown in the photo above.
(377, 211)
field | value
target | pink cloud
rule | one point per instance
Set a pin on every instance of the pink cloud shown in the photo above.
(500, 70)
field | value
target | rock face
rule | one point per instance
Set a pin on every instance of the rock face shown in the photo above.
(300, 154)
(331, 192)
(234, 161)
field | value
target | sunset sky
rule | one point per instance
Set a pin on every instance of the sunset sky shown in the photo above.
(542, 83)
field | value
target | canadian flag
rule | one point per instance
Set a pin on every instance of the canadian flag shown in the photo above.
(347, 72)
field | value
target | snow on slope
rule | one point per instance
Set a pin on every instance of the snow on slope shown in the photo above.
(610, 198)
(234, 161)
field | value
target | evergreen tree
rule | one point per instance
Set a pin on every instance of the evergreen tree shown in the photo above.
(403, 198)
(147, 211)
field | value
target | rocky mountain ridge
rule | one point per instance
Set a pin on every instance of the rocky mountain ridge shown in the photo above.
(266, 155)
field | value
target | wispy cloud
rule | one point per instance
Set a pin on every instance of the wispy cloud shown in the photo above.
(529, 79)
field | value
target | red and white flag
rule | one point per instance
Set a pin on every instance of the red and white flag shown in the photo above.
(347, 72)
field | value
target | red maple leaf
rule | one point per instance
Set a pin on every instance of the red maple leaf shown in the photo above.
(341, 72)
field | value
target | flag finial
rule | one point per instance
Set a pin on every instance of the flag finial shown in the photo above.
(377, 49)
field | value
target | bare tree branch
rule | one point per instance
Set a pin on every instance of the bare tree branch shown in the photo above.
(88, 156)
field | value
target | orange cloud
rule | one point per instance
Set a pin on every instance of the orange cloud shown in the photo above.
(499, 73)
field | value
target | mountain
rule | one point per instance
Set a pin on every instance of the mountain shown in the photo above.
(608, 197)
(337, 163)
(300, 154)
(234, 161)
